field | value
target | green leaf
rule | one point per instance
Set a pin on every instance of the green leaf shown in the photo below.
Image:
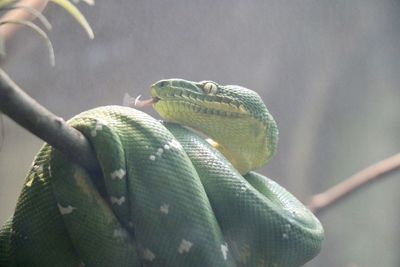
(69, 7)
(33, 12)
(2, 47)
(37, 30)
(4, 3)
(89, 2)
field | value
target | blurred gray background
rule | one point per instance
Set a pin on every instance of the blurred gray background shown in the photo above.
(327, 70)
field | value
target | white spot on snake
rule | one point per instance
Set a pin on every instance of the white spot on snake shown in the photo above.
(119, 201)
(164, 208)
(38, 169)
(81, 264)
(175, 144)
(98, 127)
(166, 147)
(120, 233)
(29, 180)
(152, 157)
(185, 246)
(65, 210)
(271, 183)
(224, 250)
(148, 255)
(118, 174)
(159, 152)
(49, 170)
(285, 234)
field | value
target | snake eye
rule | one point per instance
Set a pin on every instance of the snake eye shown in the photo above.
(210, 88)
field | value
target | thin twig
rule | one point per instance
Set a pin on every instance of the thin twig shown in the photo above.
(20, 107)
(362, 178)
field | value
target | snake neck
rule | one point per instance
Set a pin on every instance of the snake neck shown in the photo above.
(246, 143)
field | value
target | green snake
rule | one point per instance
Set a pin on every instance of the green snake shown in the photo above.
(179, 192)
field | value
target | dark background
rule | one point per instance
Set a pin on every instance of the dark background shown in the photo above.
(327, 70)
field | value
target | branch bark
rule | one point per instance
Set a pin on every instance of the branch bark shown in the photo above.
(339, 192)
(28, 113)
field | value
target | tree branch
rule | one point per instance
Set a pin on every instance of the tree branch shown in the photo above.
(373, 173)
(20, 107)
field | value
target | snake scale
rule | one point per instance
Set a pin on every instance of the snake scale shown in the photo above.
(179, 192)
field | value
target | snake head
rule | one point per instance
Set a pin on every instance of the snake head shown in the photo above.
(174, 96)
(231, 115)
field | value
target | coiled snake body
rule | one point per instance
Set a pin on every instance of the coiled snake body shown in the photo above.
(165, 196)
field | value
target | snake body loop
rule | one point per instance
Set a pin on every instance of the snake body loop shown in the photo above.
(164, 196)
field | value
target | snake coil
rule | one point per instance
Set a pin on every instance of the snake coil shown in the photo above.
(164, 196)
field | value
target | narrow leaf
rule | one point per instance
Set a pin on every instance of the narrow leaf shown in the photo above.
(37, 30)
(2, 47)
(68, 6)
(33, 12)
(4, 3)
(89, 2)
